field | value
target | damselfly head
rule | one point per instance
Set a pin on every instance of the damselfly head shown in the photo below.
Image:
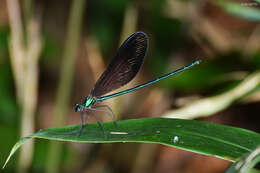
(78, 108)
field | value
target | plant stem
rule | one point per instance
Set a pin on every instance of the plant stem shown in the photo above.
(16, 46)
(66, 74)
(24, 60)
(30, 91)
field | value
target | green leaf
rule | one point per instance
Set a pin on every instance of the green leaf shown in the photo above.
(240, 10)
(247, 162)
(201, 137)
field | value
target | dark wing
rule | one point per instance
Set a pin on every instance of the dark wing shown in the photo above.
(124, 66)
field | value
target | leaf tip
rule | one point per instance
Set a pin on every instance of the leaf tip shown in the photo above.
(6, 162)
(15, 147)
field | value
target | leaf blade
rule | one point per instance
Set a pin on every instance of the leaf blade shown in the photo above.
(222, 141)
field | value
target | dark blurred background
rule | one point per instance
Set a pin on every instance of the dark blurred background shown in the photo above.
(52, 52)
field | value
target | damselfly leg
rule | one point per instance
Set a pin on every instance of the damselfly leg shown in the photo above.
(110, 114)
(83, 122)
(99, 122)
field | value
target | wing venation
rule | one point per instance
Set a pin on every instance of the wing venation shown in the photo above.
(124, 66)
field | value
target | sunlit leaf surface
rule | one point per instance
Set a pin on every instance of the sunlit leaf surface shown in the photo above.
(241, 10)
(201, 137)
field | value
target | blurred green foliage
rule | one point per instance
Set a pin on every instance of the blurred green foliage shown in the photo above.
(4, 33)
(9, 118)
(51, 48)
(256, 60)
